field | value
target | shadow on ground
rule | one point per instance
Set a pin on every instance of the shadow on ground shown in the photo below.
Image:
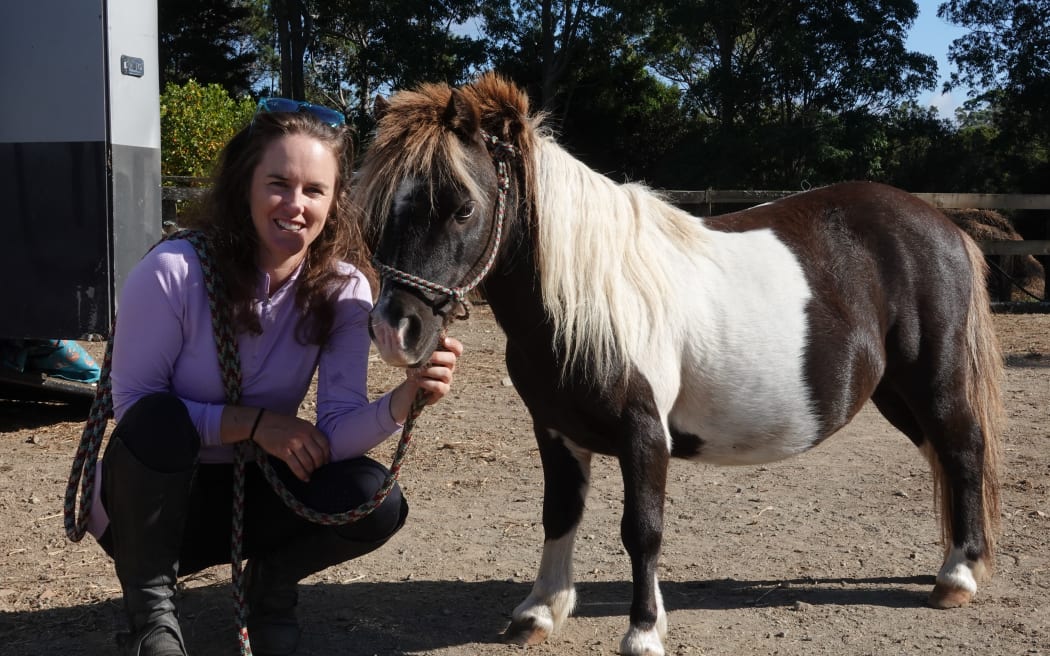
(20, 410)
(419, 616)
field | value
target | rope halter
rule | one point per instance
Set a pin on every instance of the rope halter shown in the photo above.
(501, 152)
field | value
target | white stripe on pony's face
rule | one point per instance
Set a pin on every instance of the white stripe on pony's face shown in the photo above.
(390, 340)
(403, 196)
(737, 378)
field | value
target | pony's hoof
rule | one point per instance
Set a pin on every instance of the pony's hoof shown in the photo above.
(944, 596)
(525, 632)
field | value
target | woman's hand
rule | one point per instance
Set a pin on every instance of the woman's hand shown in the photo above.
(295, 441)
(434, 378)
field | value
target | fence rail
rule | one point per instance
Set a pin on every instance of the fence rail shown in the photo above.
(1015, 247)
(712, 197)
(988, 201)
(709, 198)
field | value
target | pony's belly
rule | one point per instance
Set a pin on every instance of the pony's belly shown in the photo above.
(743, 435)
(723, 449)
(748, 414)
(740, 395)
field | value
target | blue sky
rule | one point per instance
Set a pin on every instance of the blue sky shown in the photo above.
(932, 36)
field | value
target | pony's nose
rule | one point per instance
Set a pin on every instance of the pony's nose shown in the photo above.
(395, 332)
(408, 330)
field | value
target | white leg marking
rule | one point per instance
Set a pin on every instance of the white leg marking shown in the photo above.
(661, 614)
(647, 643)
(553, 595)
(959, 572)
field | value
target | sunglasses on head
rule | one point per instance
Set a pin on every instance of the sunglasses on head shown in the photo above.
(329, 117)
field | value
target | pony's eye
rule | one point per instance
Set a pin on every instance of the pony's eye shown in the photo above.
(465, 211)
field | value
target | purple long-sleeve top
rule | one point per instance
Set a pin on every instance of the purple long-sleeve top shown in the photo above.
(165, 343)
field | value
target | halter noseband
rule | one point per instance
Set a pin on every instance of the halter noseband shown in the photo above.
(501, 152)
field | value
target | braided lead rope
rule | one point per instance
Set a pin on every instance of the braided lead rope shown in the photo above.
(247, 451)
(502, 152)
(250, 450)
(82, 475)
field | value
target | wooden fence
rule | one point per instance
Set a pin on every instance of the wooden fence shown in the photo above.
(706, 201)
(711, 201)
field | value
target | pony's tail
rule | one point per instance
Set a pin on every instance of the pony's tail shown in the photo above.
(984, 376)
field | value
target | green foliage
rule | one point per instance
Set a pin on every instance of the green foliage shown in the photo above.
(195, 123)
(716, 93)
(622, 119)
(211, 41)
(1005, 52)
(917, 153)
(737, 58)
(580, 63)
(361, 49)
(680, 93)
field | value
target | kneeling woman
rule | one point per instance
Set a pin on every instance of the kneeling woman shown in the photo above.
(296, 271)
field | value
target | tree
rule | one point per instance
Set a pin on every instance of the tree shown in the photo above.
(778, 89)
(580, 63)
(1006, 55)
(209, 41)
(294, 32)
(362, 48)
(1007, 46)
(622, 120)
(734, 57)
(547, 34)
(196, 121)
(923, 153)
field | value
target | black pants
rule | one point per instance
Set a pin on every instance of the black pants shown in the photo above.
(158, 432)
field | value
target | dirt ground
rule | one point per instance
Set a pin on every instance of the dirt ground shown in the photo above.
(832, 552)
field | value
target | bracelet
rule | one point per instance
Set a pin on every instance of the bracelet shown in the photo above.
(258, 418)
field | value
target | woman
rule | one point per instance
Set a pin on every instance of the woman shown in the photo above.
(296, 271)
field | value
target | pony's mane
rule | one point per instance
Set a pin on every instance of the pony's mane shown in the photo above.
(607, 257)
(413, 139)
(602, 249)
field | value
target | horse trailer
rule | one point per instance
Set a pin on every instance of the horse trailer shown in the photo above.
(79, 160)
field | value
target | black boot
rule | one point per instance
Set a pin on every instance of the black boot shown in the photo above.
(147, 511)
(272, 584)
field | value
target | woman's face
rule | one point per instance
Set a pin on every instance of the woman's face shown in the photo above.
(291, 194)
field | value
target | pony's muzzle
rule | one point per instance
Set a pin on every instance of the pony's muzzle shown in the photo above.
(403, 337)
(390, 340)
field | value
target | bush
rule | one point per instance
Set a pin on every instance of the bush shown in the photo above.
(195, 123)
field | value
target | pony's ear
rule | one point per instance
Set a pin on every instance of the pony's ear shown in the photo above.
(461, 116)
(379, 107)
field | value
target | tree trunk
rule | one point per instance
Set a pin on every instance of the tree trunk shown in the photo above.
(293, 35)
